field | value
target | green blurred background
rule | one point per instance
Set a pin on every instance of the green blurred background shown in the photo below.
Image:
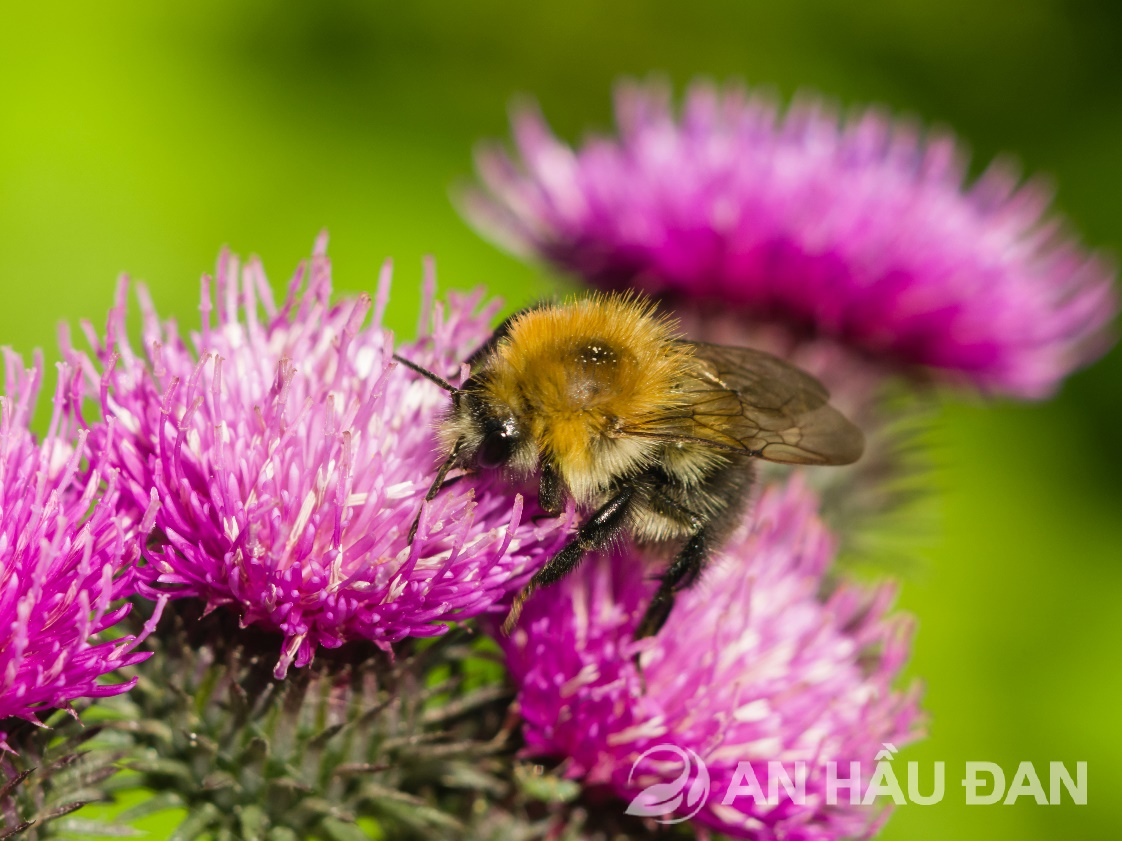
(143, 137)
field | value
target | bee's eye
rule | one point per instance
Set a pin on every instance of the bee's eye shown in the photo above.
(495, 449)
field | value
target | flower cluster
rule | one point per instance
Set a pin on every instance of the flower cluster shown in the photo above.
(272, 465)
(65, 558)
(287, 454)
(752, 666)
(859, 229)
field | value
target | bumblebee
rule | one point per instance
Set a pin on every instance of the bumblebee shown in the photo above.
(605, 403)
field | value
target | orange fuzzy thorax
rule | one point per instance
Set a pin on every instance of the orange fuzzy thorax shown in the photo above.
(579, 371)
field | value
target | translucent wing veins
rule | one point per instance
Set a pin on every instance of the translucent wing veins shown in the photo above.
(748, 401)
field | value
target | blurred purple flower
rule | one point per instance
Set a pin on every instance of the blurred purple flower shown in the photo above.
(858, 229)
(752, 666)
(289, 456)
(64, 558)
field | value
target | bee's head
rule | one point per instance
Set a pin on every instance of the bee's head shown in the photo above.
(480, 427)
(487, 433)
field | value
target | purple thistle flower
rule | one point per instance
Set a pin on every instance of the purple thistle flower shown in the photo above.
(289, 455)
(752, 666)
(858, 229)
(64, 559)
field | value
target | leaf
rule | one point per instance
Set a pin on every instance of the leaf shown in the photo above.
(253, 822)
(256, 751)
(156, 803)
(16, 830)
(61, 763)
(352, 769)
(423, 817)
(216, 780)
(64, 809)
(196, 823)
(91, 778)
(471, 701)
(337, 830)
(162, 768)
(147, 727)
(324, 808)
(472, 777)
(83, 736)
(100, 829)
(548, 788)
(10, 786)
(321, 739)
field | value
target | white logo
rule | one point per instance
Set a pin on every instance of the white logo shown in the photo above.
(661, 799)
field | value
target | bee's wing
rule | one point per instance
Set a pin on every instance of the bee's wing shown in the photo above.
(749, 401)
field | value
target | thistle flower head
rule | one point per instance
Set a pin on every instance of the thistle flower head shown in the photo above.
(288, 455)
(64, 559)
(752, 666)
(859, 229)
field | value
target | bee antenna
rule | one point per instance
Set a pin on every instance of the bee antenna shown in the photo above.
(428, 375)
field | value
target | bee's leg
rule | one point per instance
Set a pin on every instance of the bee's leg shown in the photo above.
(682, 573)
(437, 483)
(551, 490)
(458, 477)
(731, 484)
(596, 533)
(551, 493)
